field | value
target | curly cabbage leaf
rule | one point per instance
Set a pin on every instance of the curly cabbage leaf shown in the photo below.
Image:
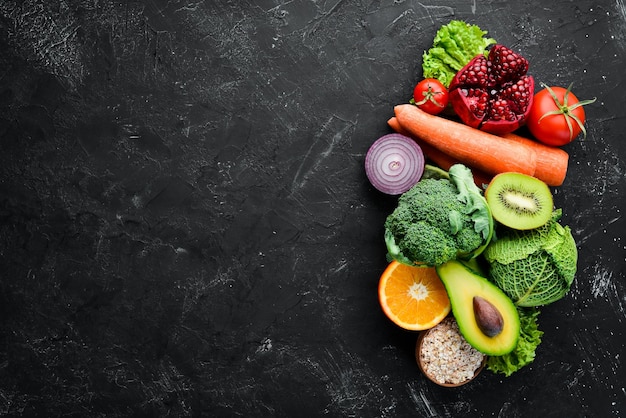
(534, 267)
(524, 352)
(454, 45)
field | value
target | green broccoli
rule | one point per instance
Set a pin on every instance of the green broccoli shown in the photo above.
(439, 220)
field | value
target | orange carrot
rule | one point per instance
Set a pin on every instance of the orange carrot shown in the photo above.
(472, 147)
(441, 159)
(438, 157)
(551, 161)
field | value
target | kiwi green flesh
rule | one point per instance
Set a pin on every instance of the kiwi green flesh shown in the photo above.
(519, 201)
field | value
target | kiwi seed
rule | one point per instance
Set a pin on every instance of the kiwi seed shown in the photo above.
(519, 201)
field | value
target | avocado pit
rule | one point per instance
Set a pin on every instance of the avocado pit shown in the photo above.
(488, 318)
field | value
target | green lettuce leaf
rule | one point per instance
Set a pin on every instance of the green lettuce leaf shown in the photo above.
(524, 353)
(454, 45)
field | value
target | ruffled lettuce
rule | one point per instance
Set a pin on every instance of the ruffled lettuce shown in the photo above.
(524, 353)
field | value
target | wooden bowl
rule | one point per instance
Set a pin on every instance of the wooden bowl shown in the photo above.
(452, 381)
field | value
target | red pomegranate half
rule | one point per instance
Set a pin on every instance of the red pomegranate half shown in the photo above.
(493, 93)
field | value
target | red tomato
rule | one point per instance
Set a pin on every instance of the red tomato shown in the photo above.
(431, 96)
(557, 116)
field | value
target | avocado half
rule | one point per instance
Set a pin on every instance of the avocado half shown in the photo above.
(463, 284)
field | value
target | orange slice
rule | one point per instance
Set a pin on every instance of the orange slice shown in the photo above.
(413, 297)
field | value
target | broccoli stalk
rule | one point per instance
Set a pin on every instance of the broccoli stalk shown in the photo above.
(439, 220)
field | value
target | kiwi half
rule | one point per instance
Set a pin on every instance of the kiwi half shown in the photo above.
(519, 201)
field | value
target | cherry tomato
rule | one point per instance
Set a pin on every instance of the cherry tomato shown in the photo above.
(557, 116)
(431, 96)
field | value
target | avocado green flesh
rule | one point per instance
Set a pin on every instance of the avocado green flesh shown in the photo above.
(462, 285)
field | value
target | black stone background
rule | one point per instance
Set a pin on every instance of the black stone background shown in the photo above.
(187, 230)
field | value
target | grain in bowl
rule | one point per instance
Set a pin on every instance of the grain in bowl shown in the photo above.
(445, 357)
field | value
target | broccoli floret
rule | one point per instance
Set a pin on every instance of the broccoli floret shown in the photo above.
(439, 220)
(467, 240)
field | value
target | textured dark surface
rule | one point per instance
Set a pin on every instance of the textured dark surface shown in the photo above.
(187, 230)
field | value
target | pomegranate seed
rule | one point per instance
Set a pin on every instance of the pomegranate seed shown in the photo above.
(493, 93)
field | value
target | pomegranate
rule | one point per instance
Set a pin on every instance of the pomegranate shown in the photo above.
(493, 93)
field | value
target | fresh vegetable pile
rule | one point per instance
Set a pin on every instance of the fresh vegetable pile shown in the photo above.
(475, 214)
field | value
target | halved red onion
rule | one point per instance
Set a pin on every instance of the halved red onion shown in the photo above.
(394, 163)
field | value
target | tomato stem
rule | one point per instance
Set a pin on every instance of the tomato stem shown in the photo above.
(430, 96)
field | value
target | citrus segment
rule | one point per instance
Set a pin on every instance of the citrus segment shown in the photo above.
(414, 298)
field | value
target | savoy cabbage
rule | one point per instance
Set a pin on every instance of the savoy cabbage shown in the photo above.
(534, 267)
